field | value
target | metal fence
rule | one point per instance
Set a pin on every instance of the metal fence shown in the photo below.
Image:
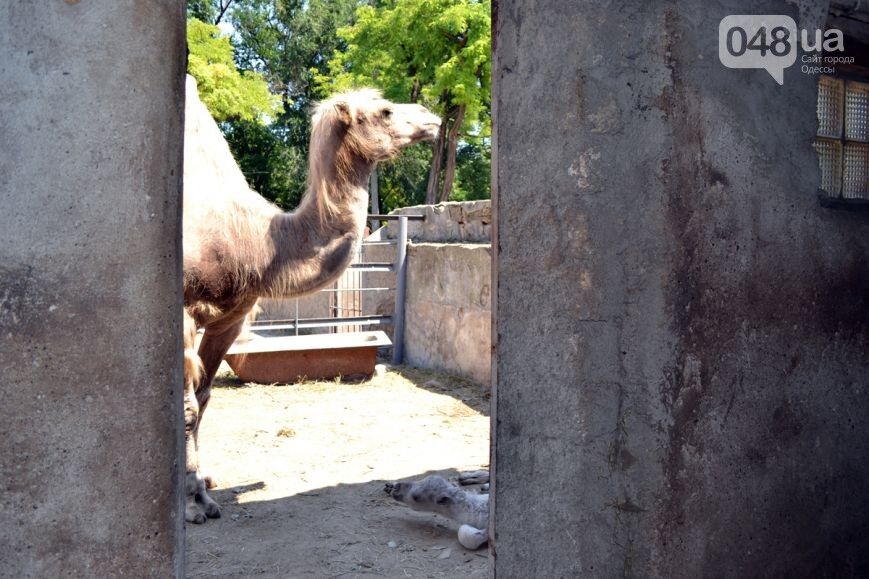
(345, 299)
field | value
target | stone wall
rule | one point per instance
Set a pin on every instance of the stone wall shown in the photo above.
(91, 436)
(688, 398)
(454, 221)
(448, 321)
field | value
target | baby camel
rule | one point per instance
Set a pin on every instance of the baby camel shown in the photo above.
(435, 494)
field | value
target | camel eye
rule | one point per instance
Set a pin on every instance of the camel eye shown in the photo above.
(387, 113)
(444, 500)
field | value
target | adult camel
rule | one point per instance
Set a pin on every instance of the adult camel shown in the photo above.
(238, 247)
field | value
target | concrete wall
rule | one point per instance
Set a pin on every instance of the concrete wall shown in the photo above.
(456, 221)
(91, 121)
(448, 318)
(448, 322)
(689, 398)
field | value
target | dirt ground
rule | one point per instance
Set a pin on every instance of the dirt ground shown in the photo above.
(300, 471)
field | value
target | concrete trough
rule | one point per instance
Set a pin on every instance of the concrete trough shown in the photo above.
(289, 359)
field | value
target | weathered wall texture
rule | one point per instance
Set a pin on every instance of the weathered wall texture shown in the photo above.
(688, 397)
(448, 318)
(456, 221)
(448, 323)
(91, 120)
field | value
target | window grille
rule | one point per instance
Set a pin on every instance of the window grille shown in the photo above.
(842, 141)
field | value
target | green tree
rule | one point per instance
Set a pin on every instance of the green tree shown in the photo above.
(402, 182)
(287, 42)
(211, 11)
(229, 94)
(473, 171)
(437, 52)
(274, 169)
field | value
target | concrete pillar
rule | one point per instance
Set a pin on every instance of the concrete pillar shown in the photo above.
(91, 124)
(682, 334)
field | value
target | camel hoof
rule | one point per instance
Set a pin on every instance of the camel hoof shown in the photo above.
(193, 513)
(212, 510)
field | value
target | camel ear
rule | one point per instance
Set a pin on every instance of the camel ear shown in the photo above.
(343, 110)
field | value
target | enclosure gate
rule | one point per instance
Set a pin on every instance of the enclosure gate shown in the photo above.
(345, 299)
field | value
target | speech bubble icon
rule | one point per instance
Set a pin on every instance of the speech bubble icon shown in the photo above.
(767, 41)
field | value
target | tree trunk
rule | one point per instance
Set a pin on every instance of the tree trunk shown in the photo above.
(431, 192)
(452, 143)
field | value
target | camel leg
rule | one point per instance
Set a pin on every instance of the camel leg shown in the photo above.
(214, 345)
(474, 477)
(193, 513)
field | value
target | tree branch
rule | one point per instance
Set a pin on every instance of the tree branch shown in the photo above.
(461, 39)
(223, 9)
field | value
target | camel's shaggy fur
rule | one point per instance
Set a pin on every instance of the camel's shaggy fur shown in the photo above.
(435, 494)
(239, 247)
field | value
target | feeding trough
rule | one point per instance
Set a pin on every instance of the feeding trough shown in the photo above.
(293, 358)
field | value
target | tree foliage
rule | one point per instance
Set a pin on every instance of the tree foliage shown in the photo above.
(210, 11)
(274, 169)
(437, 52)
(290, 44)
(287, 42)
(229, 94)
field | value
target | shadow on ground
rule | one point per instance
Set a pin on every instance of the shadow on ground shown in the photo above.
(301, 470)
(346, 530)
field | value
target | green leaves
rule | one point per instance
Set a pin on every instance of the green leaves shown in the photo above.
(274, 168)
(228, 93)
(435, 51)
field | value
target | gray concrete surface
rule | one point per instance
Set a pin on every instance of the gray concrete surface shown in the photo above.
(448, 318)
(689, 397)
(90, 288)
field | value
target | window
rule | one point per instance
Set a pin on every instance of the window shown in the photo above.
(842, 142)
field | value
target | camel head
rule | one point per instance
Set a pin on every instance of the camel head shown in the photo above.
(373, 127)
(433, 493)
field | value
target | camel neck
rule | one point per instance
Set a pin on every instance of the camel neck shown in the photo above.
(314, 244)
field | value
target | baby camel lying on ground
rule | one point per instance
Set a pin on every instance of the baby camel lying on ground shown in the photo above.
(435, 494)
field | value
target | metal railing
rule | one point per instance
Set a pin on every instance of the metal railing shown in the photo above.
(399, 267)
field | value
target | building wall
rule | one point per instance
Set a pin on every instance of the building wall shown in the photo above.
(91, 437)
(688, 398)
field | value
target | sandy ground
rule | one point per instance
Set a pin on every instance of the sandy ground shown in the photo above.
(300, 472)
